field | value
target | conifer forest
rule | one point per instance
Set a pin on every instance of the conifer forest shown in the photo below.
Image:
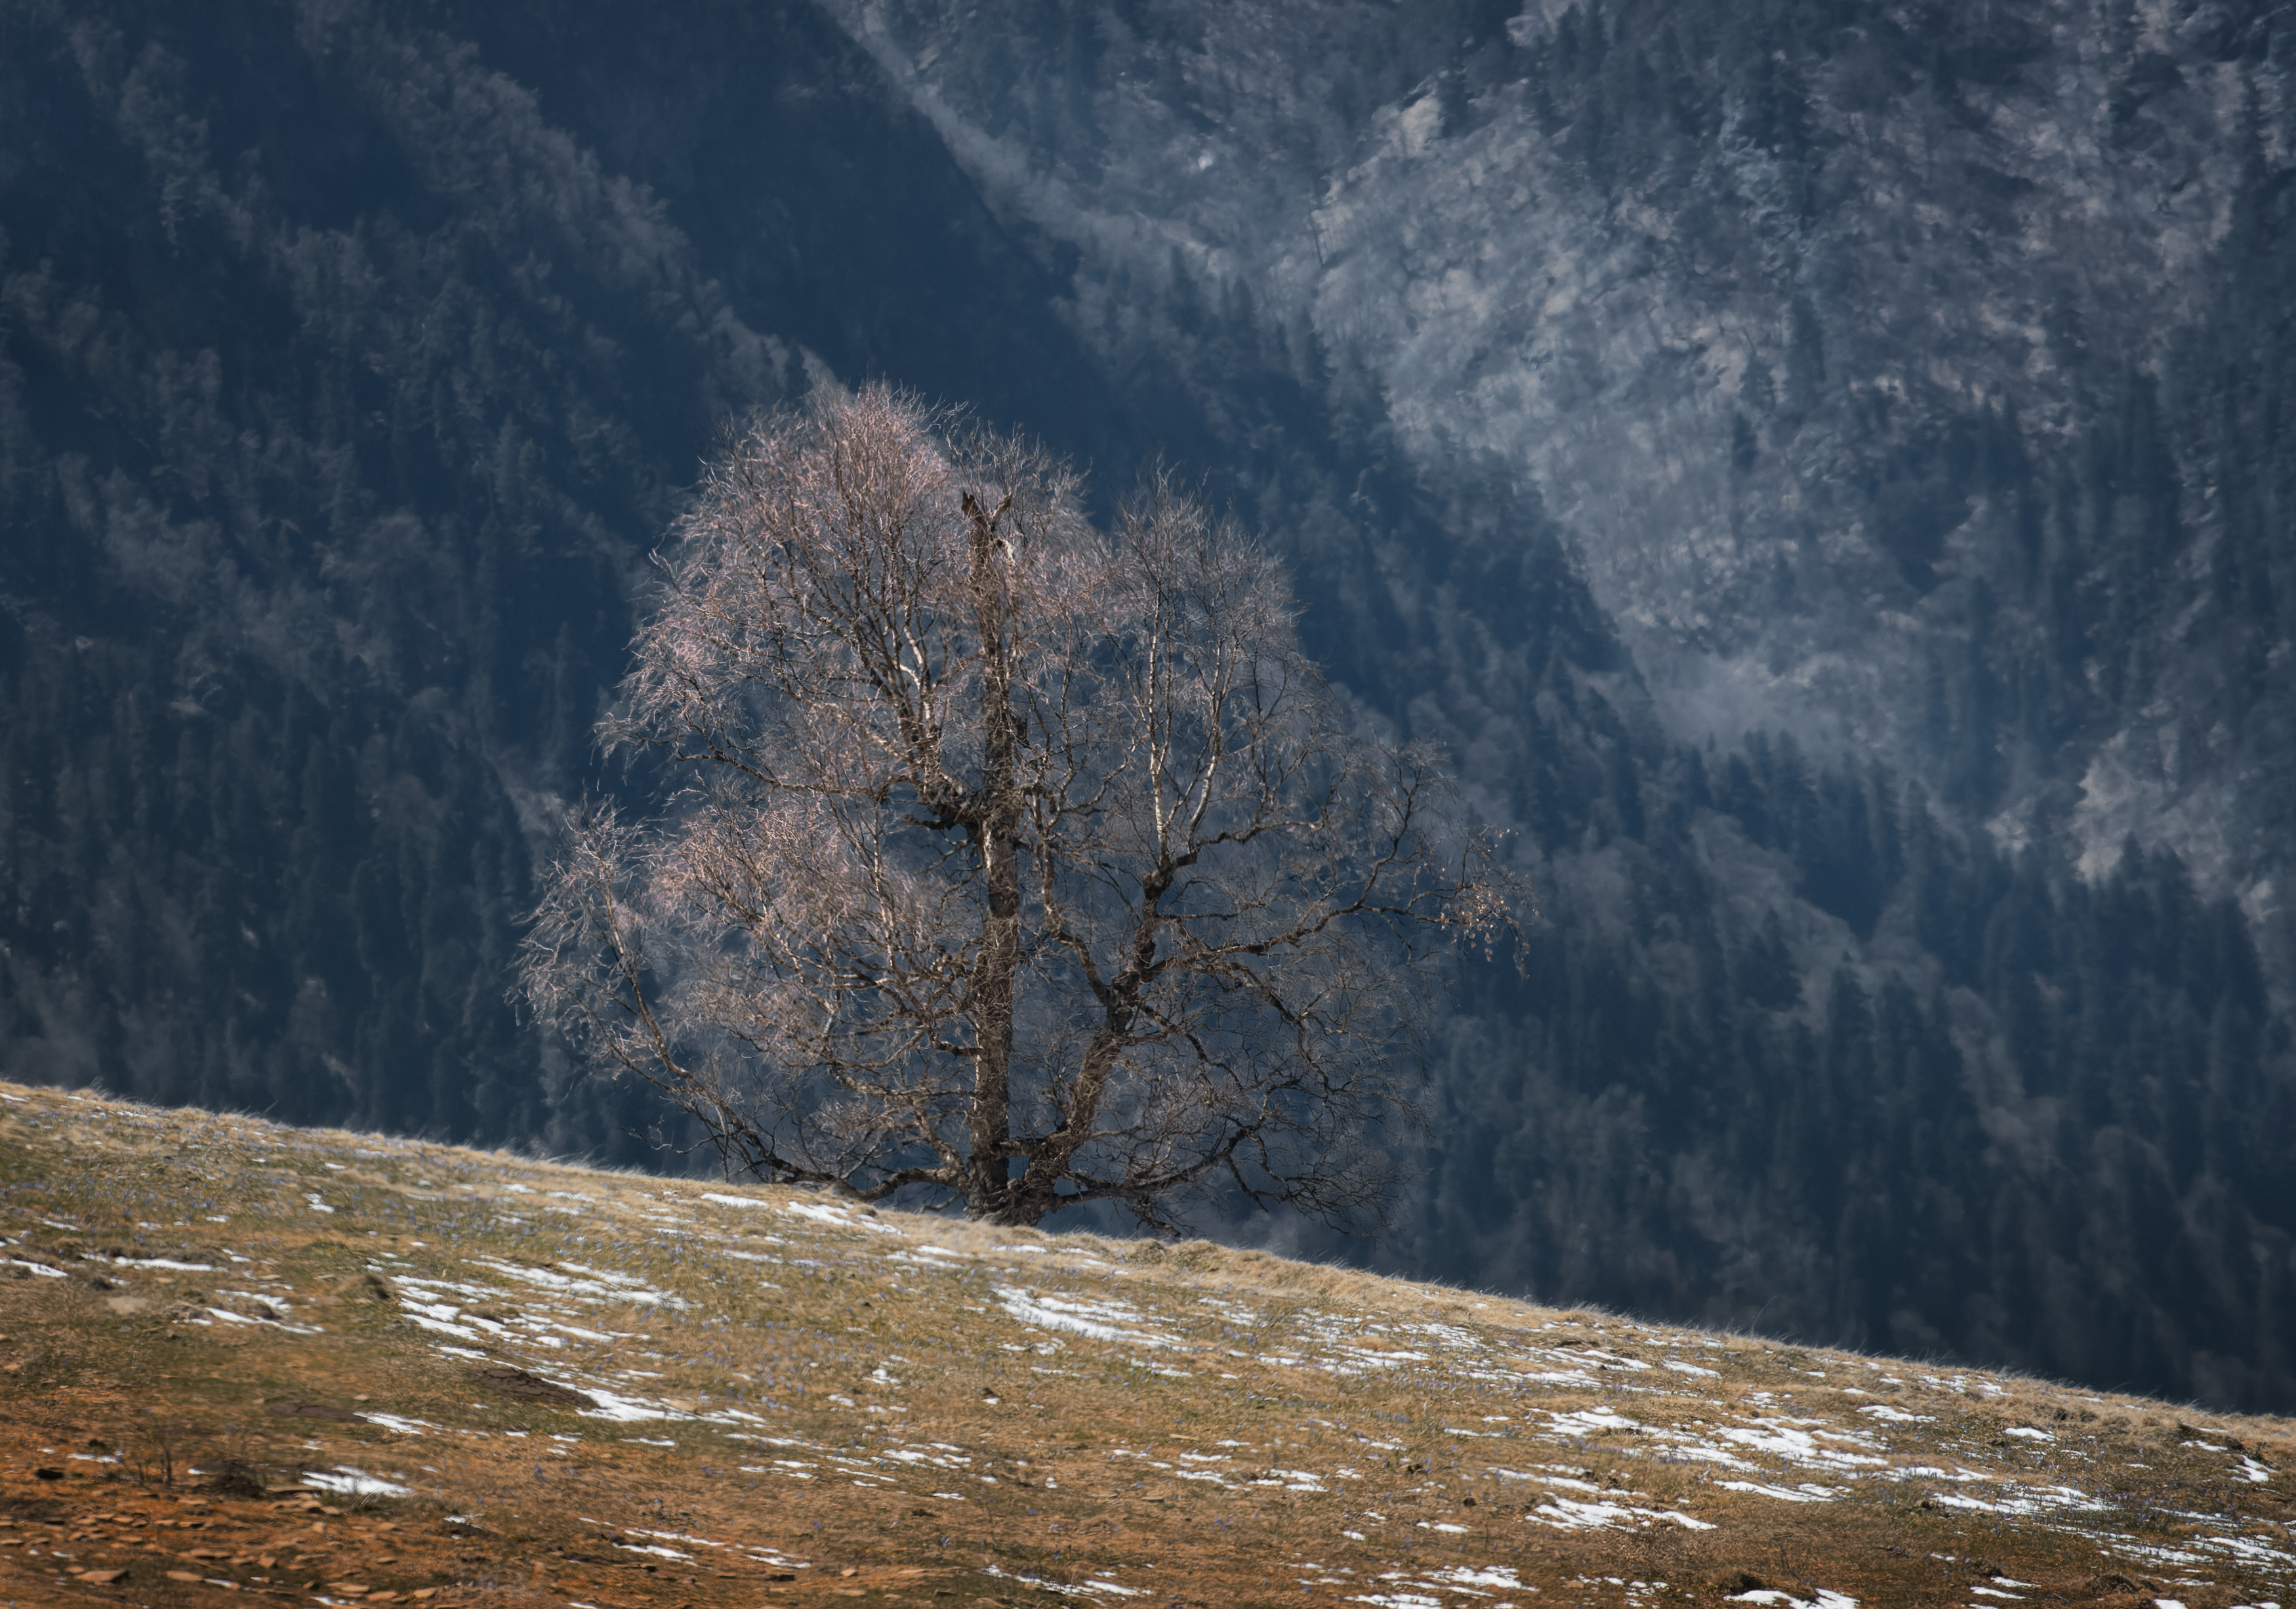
(1823, 471)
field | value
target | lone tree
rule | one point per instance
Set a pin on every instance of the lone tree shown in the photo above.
(1011, 861)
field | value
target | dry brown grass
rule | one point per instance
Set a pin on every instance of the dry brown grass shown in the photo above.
(884, 1408)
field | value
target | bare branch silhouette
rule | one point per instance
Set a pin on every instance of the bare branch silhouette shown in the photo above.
(1010, 859)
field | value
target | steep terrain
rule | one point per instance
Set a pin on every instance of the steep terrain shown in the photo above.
(1824, 330)
(242, 1360)
(1910, 393)
(1825, 469)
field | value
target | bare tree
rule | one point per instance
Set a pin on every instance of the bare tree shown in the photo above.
(1012, 860)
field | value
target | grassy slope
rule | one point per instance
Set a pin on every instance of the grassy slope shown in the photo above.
(800, 1402)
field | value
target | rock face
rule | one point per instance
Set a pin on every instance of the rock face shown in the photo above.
(1829, 333)
(1828, 470)
(1905, 389)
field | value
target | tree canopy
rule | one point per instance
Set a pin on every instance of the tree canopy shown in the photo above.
(1009, 859)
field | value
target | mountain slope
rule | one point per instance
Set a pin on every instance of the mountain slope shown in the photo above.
(1815, 324)
(1823, 469)
(1908, 395)
(352, 1367)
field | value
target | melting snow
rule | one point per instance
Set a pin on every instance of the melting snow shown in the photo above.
(625, 1409)
(1566, 1514)
(354, 1482)
(1785, 1600)
(1804, 1494)
(1098, 1319)
(405, 1427)
(1783, 1440)
(838, 1216)
(1502, 1576)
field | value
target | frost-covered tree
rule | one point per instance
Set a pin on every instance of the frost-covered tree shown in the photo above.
(1010, 860)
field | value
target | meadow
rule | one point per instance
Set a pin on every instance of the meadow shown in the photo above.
(238, 1359)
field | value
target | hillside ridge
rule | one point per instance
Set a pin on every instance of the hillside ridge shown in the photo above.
(356, 1369)
(1820, 471)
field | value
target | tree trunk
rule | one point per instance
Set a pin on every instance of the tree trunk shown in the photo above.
(988, 1192)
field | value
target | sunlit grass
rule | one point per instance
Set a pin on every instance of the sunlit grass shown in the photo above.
(788, 1389)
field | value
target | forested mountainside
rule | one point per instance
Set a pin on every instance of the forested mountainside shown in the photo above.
(1827, 470)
